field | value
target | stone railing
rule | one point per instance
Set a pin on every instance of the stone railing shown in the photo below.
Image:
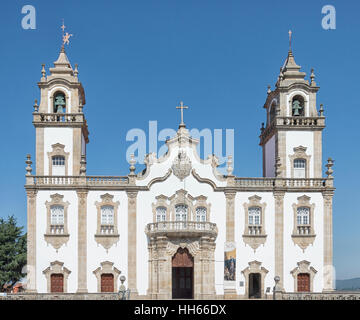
(58, 118)
(335, 295)
(57, 229)
(303, 230)
(254, 230)
(279, 182)
(83, 181)
(107, 229)
(175, 227)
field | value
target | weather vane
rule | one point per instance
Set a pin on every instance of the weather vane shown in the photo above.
(65, 36)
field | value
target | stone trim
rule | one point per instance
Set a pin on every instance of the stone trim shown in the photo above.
(107, 267)
(328, 242)
(132, 244)
(254, 240)
(31, 240)
(161, 201)
(82, 240)
(279, 236)
(230, 216)
(200, 202)
(76, 150)
(300, 153)
(56, 240)
(56, 267)
(107, 240)
(58, 149)
(303, 267)
(254, 267)
(39, 151)
(181, 197)
(317, 154)
(303, 240)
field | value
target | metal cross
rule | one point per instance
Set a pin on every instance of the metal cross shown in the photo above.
(182, 107)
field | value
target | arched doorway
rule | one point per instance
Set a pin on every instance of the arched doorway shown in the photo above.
(182, 275)
(255, 285)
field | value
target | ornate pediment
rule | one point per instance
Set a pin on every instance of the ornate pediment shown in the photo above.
(181, 166)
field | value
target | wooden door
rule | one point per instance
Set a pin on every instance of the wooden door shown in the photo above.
(255, 285)
(57, 282)
(107, 282)
(303, 282)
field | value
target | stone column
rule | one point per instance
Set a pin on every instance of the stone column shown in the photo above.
(76, 151)
(31, 240)
(279, 236)
(132, 198)
(328, 242)
(82, 240)
(230, 293)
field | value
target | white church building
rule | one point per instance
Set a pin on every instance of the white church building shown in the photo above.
(180, 228)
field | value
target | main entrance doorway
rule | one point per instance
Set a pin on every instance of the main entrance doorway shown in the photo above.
(182, 275)
(303, 282)
(255, 285)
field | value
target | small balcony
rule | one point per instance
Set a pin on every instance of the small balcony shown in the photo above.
(181, 229)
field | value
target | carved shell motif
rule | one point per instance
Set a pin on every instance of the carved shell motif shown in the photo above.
(181, 165)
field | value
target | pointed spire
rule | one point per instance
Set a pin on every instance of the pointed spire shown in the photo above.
(312, 77)
(43, 73)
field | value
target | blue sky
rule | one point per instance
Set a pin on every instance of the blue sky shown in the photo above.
(138, 59)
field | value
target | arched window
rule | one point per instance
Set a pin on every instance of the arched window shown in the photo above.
(160, 214)
(299, 168)
(59, 102)
(298, 106)
(254, 216)
(272, 112)
(201, 214)
(303, 216)
(181, 211)
(57, 215)
(107, 215)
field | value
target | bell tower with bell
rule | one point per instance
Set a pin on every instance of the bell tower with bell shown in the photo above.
(292, 137)
(61, 128)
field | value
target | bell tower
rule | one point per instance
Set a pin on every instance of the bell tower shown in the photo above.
(61, 128)
(292, 138)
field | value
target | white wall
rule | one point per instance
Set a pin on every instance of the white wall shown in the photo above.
(270, 157)
(295, 139)
(45, 253)
(58, 135)
(118, 253)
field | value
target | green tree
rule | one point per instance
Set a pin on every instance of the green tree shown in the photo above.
(12, 251)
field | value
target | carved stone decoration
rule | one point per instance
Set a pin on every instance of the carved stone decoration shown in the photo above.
(303, 267)
(107, 235)
(56, 267)
(254, 235)
(181, 165)
(56, 235)
(254, 267)
(300, 153)
(107, 267)
(303, 240)
(58, 149)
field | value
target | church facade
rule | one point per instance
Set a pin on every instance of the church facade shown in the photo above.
(180, 229)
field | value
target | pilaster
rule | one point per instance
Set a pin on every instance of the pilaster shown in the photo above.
(279, 236)
(132, 199)
(31, 240)
(328, 241)
(82, 240)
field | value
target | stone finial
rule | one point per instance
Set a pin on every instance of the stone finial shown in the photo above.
(321, 111)
(230, 168)
(330, 171)
(43, 73)
(312, 77)
(36, 107)
(28, 167)
(277, 167)
(81, 107)
(281, 75)
(262, 128)
(83, 165)
(76, 71)
(132, 164)
(269, 89)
